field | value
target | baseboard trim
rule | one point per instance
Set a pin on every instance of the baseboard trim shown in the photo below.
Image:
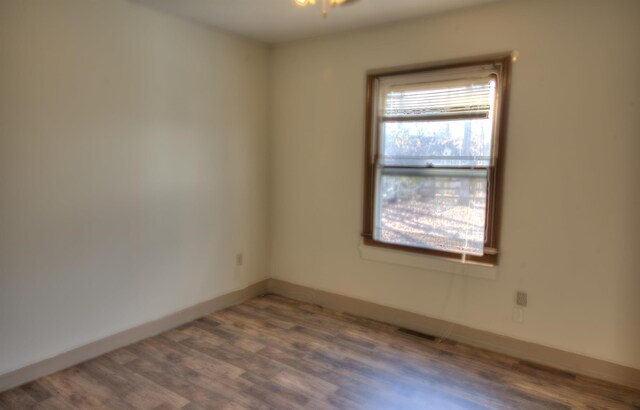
(548, 356)
(572, 362)
(78, 355)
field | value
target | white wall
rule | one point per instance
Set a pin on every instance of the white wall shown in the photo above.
(571, 222)
(132, 168)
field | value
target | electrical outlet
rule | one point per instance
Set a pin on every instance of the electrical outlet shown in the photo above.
(518, 314)
(239, 259)
(521, 298)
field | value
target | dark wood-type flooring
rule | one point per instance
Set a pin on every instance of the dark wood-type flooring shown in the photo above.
(274, 352)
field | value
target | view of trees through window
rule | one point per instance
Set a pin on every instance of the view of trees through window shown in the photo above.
(465, 143)
(433, 187)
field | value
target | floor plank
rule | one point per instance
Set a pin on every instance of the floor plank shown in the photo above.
(277, 353)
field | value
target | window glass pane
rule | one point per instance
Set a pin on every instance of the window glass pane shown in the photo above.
(458, 143)
(437, 212)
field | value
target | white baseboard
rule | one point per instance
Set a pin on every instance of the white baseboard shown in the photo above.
(127, 337)
(547, 356)
(572, 362)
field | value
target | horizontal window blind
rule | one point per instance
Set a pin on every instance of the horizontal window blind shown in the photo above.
(472, 98)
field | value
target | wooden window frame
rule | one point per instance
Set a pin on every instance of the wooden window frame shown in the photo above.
(495, 172)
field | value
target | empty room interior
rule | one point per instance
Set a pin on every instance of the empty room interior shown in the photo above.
(319, 204)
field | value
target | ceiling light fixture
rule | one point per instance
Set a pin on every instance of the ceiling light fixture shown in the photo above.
(325, 3)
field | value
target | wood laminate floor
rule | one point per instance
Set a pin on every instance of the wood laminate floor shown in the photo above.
(274, 352)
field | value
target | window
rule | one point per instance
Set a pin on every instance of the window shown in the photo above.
(433, 161)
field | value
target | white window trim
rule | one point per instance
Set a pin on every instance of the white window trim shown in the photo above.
(427, 262)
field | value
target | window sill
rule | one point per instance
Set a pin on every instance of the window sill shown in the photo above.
(425, 262)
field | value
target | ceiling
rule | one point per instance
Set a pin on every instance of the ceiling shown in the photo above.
(275, 21)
